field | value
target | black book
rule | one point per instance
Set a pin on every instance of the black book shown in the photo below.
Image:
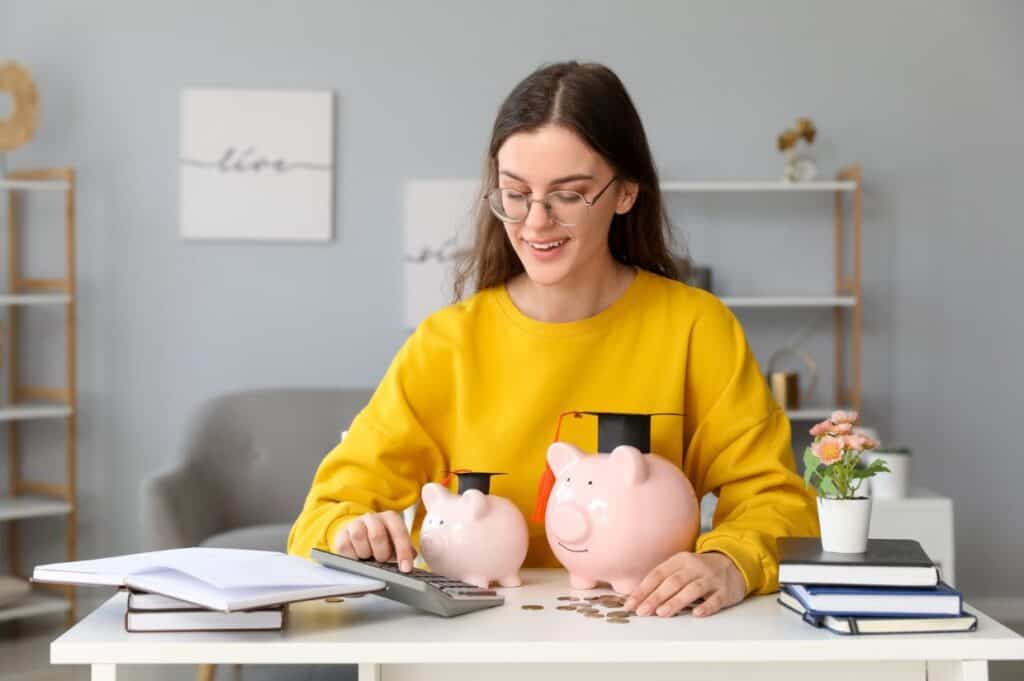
(887, 562)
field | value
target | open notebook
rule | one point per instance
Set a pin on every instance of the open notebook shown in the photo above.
(219, 579)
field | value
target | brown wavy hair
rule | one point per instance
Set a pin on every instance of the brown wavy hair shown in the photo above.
(589, 100)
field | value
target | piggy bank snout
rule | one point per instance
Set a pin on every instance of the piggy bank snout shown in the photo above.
(570, 523)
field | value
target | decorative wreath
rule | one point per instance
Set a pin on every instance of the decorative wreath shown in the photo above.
(20, 127)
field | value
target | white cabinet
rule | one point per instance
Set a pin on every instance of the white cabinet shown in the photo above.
(925, 516)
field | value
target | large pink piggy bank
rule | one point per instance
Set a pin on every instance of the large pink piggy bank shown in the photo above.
(614, 517)
(476, 537)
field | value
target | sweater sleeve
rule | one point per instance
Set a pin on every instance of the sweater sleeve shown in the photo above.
(394, 446)
(738, 447)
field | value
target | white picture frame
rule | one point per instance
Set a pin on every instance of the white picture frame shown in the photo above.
(256, 165)
(437, 223)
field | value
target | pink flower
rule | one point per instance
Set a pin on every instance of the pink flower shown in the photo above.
(842, 429)
(821, 428)
(840, 416)
(828, 449)
(859, 442)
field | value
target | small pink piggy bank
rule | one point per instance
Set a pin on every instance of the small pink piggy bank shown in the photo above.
(475, 537)
(614, 517)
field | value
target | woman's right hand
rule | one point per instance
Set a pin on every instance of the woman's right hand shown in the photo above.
(381, 536)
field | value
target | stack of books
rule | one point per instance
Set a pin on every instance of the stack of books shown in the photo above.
(154, 612)
(208, 589)
(893, 588)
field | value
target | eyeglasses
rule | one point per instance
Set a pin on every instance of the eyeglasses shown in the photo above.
(566, 208)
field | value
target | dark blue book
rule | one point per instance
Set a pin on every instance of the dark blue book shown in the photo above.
(939, 601)
(857, 626)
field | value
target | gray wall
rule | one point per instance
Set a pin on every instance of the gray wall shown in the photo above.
(927, 96)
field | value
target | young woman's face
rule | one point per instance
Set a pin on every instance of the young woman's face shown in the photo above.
(554, 159)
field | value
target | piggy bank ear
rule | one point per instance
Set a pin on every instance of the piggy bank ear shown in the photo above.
(561, 455)
(433, 493)
(630, 463)
(475, 501)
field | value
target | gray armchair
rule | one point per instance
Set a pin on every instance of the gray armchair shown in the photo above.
(248, 463)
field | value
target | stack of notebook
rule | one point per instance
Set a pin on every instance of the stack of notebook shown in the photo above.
(208, 589)
(153, 612)
(893, 588)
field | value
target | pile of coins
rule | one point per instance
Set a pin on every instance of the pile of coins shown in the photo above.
(590, 607)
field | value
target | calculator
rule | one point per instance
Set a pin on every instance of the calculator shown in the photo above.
(421, 589)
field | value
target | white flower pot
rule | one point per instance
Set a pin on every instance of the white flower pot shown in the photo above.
(844, 524)
(896, 483)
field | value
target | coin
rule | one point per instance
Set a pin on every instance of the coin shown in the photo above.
(587, 611)
(335, 599)
(533, 606)
(566, 607)
(620, 613)
(594, 615)
(566, 598)
(617, 620)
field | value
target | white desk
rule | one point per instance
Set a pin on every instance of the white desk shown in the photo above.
(393, 642)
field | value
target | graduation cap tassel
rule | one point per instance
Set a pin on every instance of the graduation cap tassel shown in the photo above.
(448, 478)
(547, 480)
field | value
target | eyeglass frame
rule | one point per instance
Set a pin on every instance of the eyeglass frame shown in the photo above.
(544, 201)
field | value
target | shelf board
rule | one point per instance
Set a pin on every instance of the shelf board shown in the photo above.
(34, 299)
(34, 410)
(790, 301)
(813, 414)
(34, 185)
(16, 508)
(759, 186)
(35, 604)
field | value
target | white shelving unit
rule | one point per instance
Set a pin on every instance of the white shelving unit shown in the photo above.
(808, 414)
(8, 299)
(759, 186)
(25, 499)
(847, 298)
(789, 301)
(25, 412)
(20, 507)
(9, 184)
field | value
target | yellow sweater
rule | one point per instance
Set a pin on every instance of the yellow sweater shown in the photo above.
(479, 386)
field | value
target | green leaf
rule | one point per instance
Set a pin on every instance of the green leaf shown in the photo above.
(811, 462)
(828, 488)
(879, 466)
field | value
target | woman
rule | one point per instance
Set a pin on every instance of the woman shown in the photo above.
(576, 306)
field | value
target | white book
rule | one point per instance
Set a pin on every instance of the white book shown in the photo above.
(203, 620)
(140, 600)
(218, 579)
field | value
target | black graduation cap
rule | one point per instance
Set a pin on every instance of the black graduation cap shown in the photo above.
(614, 429)
(475, 480)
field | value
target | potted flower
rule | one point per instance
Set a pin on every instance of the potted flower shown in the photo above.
(832, 464)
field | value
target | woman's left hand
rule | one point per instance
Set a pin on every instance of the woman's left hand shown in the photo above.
(684, 578)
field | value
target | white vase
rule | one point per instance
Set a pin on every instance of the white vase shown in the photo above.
(844, 524)
(896, 483)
